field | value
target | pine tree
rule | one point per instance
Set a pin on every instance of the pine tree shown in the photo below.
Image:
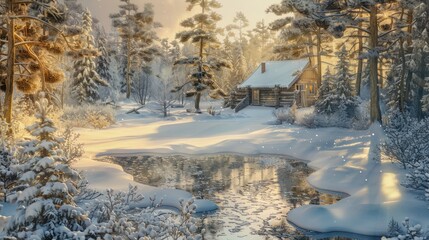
(324, 100)
(8, 175)
(39, 36)
(420, 59)
(393, 90)
(342, 93)
(303, 28)
(239, 47)
(74, 12)
(136, 30)
(46, 207)
(85, 77)
(103, 60)
(202, 31)
(381, 38)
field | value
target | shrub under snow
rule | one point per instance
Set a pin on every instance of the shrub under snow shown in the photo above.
(412, 232)
(286, 114)
(407, 144)
(89, 116)
(116, 216)
(406, 139)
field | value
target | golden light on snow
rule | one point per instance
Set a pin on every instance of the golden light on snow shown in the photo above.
(389, 185)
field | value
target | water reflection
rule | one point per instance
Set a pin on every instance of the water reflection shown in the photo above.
(254, 193)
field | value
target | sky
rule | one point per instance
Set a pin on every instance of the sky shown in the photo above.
(171, 12)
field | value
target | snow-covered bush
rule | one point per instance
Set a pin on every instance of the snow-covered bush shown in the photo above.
(286, 114)
(418, 176)
(72, 150)
(407, 144)
(362, 116)
(117, 216)
(164, 225)
(110, 215)
(309, 120)
(89, 116)
(412, 232)
(338, 119)
(393, 228)
(406, 139)
(46, 207)
(213, 111)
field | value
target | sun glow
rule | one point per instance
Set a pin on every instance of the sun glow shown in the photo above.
(389, 184)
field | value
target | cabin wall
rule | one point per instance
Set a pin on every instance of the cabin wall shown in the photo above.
(271, 97)
(307, 84)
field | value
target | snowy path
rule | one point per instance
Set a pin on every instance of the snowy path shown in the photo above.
(343, 157)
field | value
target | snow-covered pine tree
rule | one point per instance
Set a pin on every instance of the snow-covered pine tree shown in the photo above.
(46, 207)
(342, 92)
(137, 32)
(203, 32)
(420, 59)
(8, 175)
(103, 60)
(324, 100)
(303, 29)
(74, 12)
(393, 92)
(400, 42)
(238, 70)
(85, 77)
(239, 63)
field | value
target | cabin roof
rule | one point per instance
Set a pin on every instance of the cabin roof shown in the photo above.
(281, 73)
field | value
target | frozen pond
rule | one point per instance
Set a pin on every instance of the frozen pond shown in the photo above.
(254, 193)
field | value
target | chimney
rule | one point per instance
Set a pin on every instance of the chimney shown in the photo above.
(263, 67)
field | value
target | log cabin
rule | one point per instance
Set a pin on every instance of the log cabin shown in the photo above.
(277, 84)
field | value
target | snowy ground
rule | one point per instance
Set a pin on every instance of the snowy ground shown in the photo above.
(344, 159)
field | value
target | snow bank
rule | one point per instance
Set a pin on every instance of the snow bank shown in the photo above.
(346, 159)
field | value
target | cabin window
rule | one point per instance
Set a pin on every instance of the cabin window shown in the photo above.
(299, 87)
(311, 89)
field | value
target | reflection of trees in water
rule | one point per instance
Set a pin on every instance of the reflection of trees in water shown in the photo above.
(255, 180)
(205, 176)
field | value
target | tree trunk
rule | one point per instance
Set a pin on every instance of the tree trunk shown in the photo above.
(128, 77)
(402, 79)
(10, 72)
(360, 62)
(197, 102)
(319, 57)
(373, 64)
(380, 73)
(200, 67)
(359, 67)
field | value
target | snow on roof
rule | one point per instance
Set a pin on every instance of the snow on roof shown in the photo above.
(282, 73)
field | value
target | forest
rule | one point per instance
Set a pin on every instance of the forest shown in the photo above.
(61, 71)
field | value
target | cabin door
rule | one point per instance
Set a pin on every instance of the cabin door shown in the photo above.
(255, 97)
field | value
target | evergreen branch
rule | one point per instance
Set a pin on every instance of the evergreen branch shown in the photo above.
(359, 28)
(48, 25)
